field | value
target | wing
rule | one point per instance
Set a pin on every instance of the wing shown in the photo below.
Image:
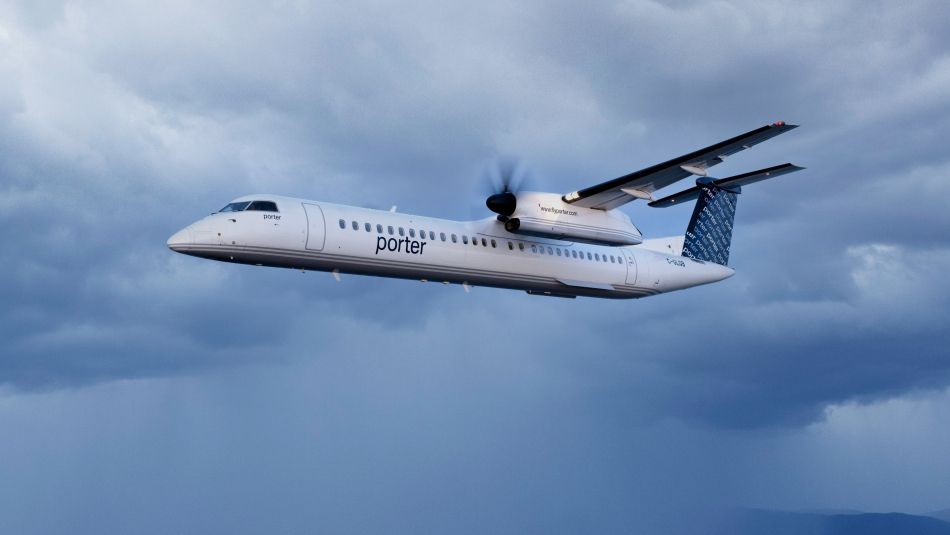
(641, 184)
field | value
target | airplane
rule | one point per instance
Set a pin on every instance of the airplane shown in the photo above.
(551, 244)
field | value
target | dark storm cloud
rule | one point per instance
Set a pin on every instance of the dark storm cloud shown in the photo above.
(119, 130)
(147, 391)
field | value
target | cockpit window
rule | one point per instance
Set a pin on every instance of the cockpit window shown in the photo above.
(236, 206)
(263, 206)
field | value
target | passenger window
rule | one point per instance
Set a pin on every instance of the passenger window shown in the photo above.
(597, 257)
(464, 239)
(432, 235)
(390, 229)
(588, 256)
(534, 248)
(574, 254)
(342, 224)
(412, 233)
(379, 228)
(402, 231)
(559, 252)
(521, 246)
(263, 206)
(474, 241)
(368, 227)
(356, 226)
(454, 240)
(441, 235)
(511, 246)
(550, 251)
(603, 258)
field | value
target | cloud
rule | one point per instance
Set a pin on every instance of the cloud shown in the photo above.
(120, 132)
(257, 399)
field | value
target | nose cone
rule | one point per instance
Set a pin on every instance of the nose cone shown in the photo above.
(180, 240)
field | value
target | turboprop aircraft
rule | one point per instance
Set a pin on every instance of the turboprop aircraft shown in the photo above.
(562, 245)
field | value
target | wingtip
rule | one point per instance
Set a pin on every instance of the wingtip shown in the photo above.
(783, 124)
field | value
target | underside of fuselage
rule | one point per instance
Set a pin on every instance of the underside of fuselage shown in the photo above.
(351, 265)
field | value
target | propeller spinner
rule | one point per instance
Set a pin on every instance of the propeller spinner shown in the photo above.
(505, 181)
(503, 203)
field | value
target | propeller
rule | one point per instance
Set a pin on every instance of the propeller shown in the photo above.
(506, 177)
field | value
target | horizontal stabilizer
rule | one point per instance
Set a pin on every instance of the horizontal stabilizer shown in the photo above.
(730, 182)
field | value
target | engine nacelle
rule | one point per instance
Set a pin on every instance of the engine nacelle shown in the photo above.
(546, 215)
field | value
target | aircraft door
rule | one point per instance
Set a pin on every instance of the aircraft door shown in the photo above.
(316, 227)
(631, 262)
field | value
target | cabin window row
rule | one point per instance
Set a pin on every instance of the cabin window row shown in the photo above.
(485, 242)
(573, 253)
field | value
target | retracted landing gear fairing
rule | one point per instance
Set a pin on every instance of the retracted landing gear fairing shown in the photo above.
(567, 245)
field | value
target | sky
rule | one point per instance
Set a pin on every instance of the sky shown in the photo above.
(142, 390)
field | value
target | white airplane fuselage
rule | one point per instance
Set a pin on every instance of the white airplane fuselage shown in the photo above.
(319, 236)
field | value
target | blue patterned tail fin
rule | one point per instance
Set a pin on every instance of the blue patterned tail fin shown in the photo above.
(709, 233)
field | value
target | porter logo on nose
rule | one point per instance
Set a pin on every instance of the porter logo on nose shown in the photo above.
(396, 245)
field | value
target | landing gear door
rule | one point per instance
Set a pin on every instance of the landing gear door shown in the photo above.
(631, 262)
(316, 227)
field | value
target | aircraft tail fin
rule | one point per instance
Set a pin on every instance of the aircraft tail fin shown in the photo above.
(709, 233)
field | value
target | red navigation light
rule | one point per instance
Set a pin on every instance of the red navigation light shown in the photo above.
(778, 123)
